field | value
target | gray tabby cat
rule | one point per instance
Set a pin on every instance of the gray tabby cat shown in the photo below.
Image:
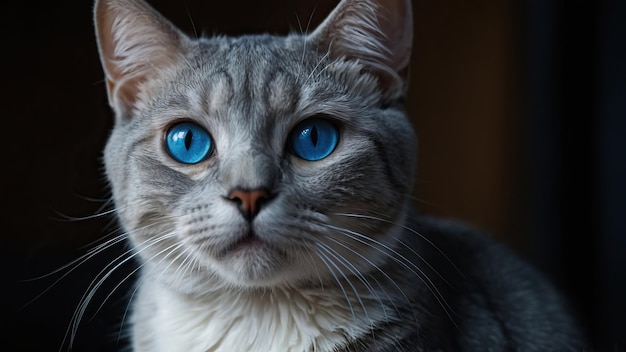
(264, 183)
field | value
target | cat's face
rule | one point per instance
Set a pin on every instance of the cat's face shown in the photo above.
(256, 161)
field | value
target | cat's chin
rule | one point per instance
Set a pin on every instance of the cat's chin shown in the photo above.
(252, 262)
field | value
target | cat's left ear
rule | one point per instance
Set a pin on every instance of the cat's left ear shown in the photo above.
(135, 43)
(378, 33)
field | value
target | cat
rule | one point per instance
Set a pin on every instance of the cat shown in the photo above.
(264, 182)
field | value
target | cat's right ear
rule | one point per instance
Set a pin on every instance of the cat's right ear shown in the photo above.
(135, 43)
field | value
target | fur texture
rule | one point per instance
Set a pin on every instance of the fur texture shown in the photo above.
(335, 259)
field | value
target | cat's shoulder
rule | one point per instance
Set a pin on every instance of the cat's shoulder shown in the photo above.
(463, 242)
(466, 254)
(495, 295)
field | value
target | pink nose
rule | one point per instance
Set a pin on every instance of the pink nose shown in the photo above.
(249, 202)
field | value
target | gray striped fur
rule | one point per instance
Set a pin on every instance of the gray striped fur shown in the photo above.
(337, 229)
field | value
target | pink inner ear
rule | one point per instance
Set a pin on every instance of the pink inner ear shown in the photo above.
(135, 42)
(377, 32)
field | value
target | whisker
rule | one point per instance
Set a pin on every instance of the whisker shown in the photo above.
(299, 23)
(193, 25)
(171, 248)
(187, 263)
(85, 257)
(354, 272)
(319, 73)
(98, 214)
(72, 266)
(100, 278)
(413, 231)
(316, 66)
(326, 262)
(78, 261)
(373, 265)
(91, 290)
(89, 246)
(123, 320)
(308, 23)
(304, 38)
(116, 287)
(130, 300)
(402, 260)
(309, 258)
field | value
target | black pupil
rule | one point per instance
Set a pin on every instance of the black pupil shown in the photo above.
(188, 138)
(314, 136)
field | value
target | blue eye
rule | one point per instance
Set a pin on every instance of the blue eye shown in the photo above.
(188, 143)
(314, 139)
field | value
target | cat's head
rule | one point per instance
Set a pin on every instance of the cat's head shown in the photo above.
(259, 161)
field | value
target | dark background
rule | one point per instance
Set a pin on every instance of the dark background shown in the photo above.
(520, 107)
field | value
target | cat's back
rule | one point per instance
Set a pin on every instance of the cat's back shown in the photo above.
(482, 296)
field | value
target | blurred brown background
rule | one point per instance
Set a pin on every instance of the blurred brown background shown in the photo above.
(518, 105)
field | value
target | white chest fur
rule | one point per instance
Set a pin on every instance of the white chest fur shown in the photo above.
(278, 320)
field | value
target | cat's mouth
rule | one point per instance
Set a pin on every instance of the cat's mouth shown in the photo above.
(249, 242)
(252, 260)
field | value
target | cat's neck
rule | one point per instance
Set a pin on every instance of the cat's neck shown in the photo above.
(256, 320)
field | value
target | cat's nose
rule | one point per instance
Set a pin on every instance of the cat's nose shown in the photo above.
(249, 202)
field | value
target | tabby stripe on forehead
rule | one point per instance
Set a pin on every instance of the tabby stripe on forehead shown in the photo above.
(218, 93)
(280, 91)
